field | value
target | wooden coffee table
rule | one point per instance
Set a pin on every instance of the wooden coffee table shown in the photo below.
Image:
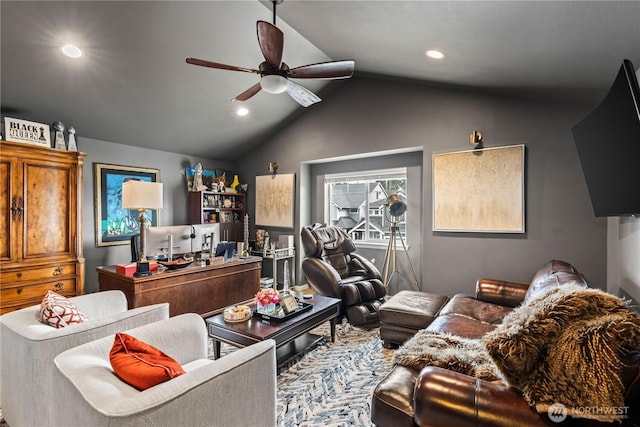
(292, 336)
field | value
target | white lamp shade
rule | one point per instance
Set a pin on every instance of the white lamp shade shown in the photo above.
(142, 195)
(273, 83)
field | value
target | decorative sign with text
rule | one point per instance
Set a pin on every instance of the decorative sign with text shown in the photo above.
(17, 130)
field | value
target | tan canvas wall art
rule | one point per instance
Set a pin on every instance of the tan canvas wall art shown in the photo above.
(479, 190)
(274, 200)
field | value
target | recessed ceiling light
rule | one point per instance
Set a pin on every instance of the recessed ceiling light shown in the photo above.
(71, 50)
(242, 111)
(435, 54)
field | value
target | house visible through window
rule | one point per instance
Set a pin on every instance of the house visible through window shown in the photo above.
(355, 202)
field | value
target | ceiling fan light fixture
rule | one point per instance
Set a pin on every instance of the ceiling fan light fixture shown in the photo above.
(242, 111)
(273, 83)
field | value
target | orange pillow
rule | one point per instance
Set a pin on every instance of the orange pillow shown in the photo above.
(141, 365)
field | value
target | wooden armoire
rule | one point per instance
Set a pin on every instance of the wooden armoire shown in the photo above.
(40, 224)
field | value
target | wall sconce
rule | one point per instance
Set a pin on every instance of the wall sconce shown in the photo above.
(142, 196)
(476, 139)
(273, 167)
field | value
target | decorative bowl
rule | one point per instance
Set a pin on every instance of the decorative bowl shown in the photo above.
(237, 313)
(176, 264)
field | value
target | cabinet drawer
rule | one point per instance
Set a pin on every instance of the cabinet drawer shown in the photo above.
(32, 294)
(18, 275)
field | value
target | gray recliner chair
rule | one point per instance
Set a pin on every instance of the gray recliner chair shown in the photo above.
(332, 268)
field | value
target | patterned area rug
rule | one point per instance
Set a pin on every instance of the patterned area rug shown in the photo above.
(332, 384)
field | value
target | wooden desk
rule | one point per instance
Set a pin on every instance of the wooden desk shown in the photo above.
(194, 289)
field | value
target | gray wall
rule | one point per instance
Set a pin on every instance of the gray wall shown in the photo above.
(372, 116)
(369, 115)
(174, 194)
(623, 264)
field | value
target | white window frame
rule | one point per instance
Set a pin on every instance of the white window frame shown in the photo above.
(365, 176)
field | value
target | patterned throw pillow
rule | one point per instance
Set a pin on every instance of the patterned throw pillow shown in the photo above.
(58, 311)
(141, 365)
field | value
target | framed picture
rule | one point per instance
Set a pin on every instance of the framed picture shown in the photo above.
(288, 303)
(226, 216)
(274, 200)
(115, 225)
(479, 190)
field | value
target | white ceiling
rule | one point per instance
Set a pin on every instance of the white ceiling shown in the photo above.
(134, 87)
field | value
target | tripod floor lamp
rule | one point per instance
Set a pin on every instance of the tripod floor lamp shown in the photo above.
(394, 210)
(142, 196)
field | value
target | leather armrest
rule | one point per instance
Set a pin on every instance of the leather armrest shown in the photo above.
(500, 292)
(322, 277)
(447, 398)
(372, 271)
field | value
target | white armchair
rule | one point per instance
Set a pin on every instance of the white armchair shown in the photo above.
(236, 390)
(28, 348)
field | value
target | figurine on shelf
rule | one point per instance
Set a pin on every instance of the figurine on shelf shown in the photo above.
(72, 146)
(245, 231)
(235, 183)
(58, 139)
(260, 235)
(197, 179)
(221, 181)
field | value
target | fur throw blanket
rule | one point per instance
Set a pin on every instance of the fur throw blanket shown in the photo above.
(565, 346)
(463, 355)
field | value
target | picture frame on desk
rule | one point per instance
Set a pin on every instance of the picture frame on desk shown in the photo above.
(288, 303)
(113, 224)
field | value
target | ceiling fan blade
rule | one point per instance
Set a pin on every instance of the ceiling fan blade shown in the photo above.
(271, 41)
(324, 70)
(248, 93)
(301, 95)
(210, 64)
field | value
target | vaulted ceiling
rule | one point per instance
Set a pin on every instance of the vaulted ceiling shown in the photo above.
(132, 86)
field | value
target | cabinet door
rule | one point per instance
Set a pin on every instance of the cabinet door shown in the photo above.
(10, 210)
(49, 207)
(231, 231)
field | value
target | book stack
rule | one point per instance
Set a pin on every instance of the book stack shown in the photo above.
(266, 282)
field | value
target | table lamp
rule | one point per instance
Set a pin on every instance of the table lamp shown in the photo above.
(142, 196)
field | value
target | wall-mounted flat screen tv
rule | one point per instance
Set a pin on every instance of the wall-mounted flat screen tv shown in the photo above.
(608, 143)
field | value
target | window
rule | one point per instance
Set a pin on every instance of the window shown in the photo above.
(355, 202)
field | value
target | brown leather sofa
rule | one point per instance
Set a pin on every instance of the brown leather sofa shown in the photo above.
(334, 269)
(439, 397)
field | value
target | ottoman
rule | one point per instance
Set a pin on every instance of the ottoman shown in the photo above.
(406, 313)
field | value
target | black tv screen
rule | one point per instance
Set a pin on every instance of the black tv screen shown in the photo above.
(608, 143)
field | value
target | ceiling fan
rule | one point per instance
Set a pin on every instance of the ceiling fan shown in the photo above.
(275, 75)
